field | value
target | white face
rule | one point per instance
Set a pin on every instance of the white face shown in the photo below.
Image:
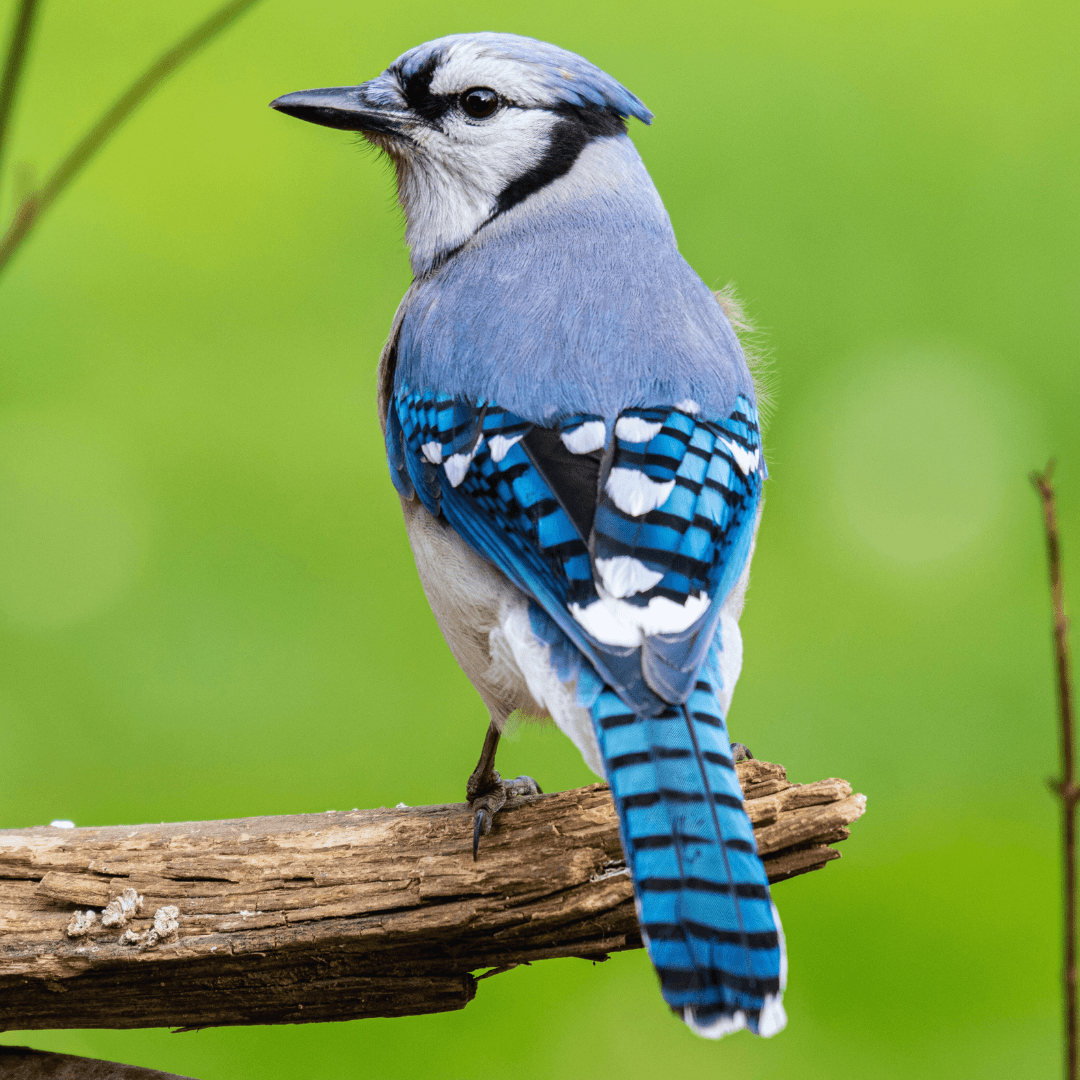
(452, 166)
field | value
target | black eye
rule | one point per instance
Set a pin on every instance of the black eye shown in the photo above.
(479, 102)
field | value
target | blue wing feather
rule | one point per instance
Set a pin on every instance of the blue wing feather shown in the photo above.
(698, 539)
(702, 891)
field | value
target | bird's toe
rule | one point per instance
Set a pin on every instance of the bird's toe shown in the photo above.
(485, 806)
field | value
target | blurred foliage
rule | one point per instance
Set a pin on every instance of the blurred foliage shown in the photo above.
(208, 607)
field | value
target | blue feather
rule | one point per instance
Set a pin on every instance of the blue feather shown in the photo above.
(566, 394)
(701, 890)
(702, 894)
(538, 354)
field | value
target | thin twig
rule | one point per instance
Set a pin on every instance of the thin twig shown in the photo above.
(1066, 786)
(35, 205)
(14, 63)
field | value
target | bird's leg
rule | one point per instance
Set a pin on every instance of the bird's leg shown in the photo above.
(740, 752)
(487, 791)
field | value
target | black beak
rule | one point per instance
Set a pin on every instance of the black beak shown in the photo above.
(342, 107)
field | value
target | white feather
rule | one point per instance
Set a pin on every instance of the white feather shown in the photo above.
(433, 452)
(635, 493)
(773, 1019)
(450, 177)
(533, 659)
(458, 464)
(604, 624)
(725, 1025)
(745, 459)
(688, 405)
(634, 429)
(585, 439)
(624, 575)
(615, 622)
(499, 445)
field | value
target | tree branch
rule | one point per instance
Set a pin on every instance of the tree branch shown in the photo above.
(339, 915)
(1066, 787)
(14, 63)
(22, 1063)
(35, 205)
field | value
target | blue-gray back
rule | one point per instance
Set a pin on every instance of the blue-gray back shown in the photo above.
(576, 300)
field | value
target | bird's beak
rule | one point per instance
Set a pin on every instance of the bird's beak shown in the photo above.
(372, 106)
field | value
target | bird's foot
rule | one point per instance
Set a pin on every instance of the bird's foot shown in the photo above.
(740, 752)
(486, 802)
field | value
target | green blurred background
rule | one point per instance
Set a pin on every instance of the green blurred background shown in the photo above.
(208, 607)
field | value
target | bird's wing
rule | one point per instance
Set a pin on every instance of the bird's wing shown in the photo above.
(630, 534)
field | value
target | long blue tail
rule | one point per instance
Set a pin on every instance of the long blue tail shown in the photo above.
(702, 895)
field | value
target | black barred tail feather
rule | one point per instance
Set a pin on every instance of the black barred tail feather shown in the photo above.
(632, 575)
(712, 932)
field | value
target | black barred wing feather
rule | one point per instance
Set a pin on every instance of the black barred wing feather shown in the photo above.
(669, 523)
(672, 534)
(630, 535)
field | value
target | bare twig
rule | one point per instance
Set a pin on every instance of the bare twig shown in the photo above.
(1066, 787)
(338, 916)
(14, 63)
(35, 205)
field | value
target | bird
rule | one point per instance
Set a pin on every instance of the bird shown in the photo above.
(572, 429)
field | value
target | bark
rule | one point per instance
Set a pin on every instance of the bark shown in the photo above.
(337, 916)
(22, 1063)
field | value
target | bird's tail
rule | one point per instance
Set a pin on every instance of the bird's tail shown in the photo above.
(702, 896)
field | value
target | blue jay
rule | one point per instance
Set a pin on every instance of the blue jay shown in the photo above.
(572, 429)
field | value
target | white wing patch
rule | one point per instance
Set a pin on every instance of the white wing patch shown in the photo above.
(688, 405)
(746, 460)
(585, 439)
(624, 576)
(499, 445)
(634, 493)
(433, 452)
(458, 464)
(615, 622)
(635, 430)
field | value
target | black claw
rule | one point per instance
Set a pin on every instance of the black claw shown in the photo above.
(478, 825)
(740, 752)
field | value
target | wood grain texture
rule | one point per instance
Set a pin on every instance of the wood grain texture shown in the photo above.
(337, 916)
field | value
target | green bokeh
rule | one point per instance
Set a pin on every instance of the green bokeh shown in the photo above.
(208, 607)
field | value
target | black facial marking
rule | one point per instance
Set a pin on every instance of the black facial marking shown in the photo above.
(417, 88)
(576, 128)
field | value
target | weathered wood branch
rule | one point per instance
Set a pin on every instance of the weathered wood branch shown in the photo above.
(340, 915)
(23, 1063)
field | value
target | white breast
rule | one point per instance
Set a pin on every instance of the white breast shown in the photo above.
(485, 620)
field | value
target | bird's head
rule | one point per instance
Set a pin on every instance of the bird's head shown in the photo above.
(474, 123)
